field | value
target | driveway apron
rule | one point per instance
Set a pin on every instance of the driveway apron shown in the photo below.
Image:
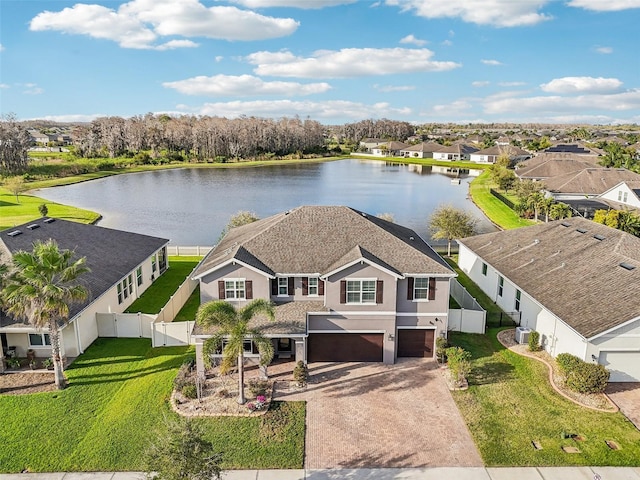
(627, 397)
(374, 415)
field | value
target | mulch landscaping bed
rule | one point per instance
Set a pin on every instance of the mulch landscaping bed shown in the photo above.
(23, 383)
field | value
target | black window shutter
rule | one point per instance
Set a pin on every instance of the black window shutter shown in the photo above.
(248, 289)
(410, 281)
(320, 287)
(221, 292)
(379, 285)
(305, 285)
(274, 287)
(291, 289)
(432, 288)
(343, 291)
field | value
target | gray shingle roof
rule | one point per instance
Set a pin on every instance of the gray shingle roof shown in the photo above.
(111, 254)
(316, 239)
(574, 275)
(547, 165)
(590, 181)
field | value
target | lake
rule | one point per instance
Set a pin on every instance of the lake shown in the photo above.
(191, 206)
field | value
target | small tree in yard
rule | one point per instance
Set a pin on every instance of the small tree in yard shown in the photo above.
(16, 186)
(43, 209)
(448, 222)
(301, 373)
(459, 362)
(182, 453)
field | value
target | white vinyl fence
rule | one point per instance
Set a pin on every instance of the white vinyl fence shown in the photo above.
(160, 328)
(189, 251)
(471, 317)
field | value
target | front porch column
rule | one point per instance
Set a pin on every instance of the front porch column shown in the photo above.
(199, 360)
(301, 350)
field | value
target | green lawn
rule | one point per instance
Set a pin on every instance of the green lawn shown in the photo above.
(115, 404)
(188, 311)
(157, 295)
(14, 213)
(493, 208)
(510, 403)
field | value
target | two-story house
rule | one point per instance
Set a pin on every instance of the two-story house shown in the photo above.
(347, 286)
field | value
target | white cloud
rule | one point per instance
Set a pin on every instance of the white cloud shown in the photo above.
(243, 86)
(4, 85)
(480, 83)
(219, 58)
(447, 43)
(411, 39)
(347, 63)
(333, 110)
(511, 84)
(581, 85)
(2, 48)
(605, 6)
(560, 105)
(394, 88)
(604, 50)
(70, 118)
(305, 4)
(458, 107)
(33, 91)
(501, 13)
(139, 23)
(493, 63)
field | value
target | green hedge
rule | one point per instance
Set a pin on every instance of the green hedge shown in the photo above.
(581, 376)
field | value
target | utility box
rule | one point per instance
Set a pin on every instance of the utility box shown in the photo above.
(522, 335)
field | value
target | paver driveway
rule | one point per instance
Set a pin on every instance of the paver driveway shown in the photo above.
(374, 415)
(627, 397)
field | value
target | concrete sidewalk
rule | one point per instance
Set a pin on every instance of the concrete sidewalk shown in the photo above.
(434, 473)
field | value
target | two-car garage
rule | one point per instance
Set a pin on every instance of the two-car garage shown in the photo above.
(368, 347)
(624, 366)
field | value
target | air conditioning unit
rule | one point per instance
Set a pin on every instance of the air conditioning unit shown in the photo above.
(522, 335)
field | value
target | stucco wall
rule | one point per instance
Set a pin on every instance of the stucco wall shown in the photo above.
(209, 283)
(361, 271)
(438, 305)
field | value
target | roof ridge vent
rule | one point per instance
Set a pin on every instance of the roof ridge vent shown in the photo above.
(581, 230)
(599, 237)
(33, 226)
(49, 220)
(627, 266)
(15, 233)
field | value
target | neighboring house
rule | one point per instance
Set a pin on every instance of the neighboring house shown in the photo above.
(455, 152)
(421, 150)
(42, 138)
(549, 165)
(369, 143)
(574, 281)
(587, 183)
(577, 148)
(347, 286)
(389, 149)
(123, 265)
(491, 154)
(503, 141)
(623, 195)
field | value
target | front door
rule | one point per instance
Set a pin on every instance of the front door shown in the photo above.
(3, 338)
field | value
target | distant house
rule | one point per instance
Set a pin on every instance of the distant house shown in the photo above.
(347, 286)
(491, 154)
(123, 265)
(590, 182)
(577, 148)
(550, 165)
(625, 195)
(369, 143)
(455, 152)
(389, 149)
(574, 281)
(421, 150)
(503, 141)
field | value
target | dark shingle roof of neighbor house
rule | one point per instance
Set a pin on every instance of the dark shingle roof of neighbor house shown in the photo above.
(572, 267)
(590, 181)
(423, 147)
(111, 254)
(318, 239)
(459, 148)
(509, 150)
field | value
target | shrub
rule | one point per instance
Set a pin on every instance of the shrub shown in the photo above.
(43, 209)
(190, 390)
(588, 378)
(182, 377)
(567, 362)
(441, 347)
(534, 341)
(301, 373)
(258, 387)
(459, 361)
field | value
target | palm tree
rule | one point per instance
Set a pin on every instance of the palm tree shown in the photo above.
(232, 330)
(41, 286)
(3, 273)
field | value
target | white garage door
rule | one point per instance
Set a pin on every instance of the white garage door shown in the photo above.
(624, 366)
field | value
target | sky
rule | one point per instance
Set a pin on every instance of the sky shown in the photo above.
(334, 61)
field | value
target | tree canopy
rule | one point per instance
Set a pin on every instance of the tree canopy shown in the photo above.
(448, 223)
